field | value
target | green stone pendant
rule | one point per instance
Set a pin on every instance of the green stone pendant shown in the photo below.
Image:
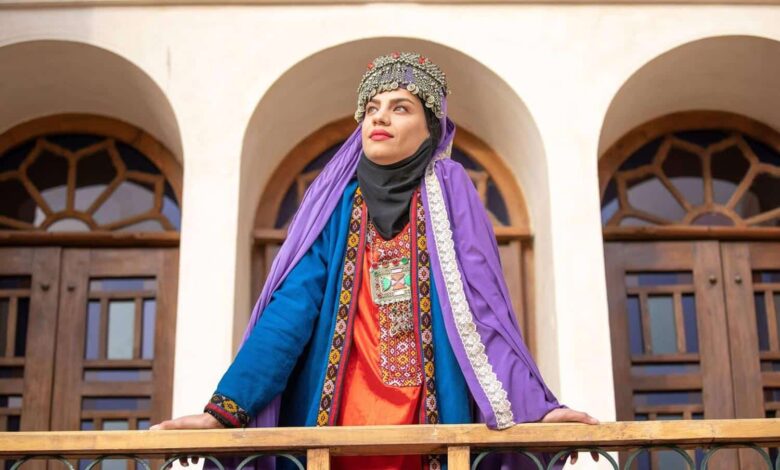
(391, 282)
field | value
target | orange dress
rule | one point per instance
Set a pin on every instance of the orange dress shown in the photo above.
(383, 381)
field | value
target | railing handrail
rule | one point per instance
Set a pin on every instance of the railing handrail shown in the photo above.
(415, 439)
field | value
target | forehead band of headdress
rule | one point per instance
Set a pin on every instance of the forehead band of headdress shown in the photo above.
(417, 74)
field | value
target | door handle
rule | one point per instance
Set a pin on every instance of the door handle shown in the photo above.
(713, 280)
(738, 279)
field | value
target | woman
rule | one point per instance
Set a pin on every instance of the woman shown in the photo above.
(386, 304)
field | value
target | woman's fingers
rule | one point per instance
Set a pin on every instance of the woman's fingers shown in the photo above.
(586, 418)
(575, 455)
(574, 416)
(184, 422)
(564, 415)
(186, 461)
(201, 421)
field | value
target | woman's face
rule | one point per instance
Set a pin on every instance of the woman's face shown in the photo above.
(394, 126)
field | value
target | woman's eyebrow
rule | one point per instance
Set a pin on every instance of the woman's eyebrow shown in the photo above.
(392, 101)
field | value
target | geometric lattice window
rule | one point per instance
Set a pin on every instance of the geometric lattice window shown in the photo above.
(82, 182)
(700, 177)
(486, 187)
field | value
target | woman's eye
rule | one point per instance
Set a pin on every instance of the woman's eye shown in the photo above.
(403, 108)
(370, 109)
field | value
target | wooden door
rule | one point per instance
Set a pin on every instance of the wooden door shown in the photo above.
(752, 272)
(115, 338)
(669, 337)
(29, 282)
(86, 337)
(720, 340)
(752, 287)
(516, 265)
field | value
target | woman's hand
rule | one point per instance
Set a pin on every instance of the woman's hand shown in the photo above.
(566, 415)
(201, 421)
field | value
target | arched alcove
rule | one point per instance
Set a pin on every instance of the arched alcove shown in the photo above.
(91, 174)
(297, 105)
(689, 176)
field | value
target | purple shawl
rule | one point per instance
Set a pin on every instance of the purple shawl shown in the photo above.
(481, 326)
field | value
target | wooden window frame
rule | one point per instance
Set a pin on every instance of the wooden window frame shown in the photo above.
(624, 147)
(112, 128)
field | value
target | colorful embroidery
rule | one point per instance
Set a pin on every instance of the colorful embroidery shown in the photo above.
(426, 321)
(342, 331)
(430, 407)
(403, 361)
(227, 411)
(391, 276)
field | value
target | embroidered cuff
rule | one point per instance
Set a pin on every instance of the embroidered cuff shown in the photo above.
(227, 412)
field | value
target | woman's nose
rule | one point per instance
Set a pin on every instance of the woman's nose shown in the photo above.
(381, 116)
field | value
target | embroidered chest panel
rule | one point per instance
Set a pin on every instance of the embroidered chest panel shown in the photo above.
(401, 288)
(391, 289)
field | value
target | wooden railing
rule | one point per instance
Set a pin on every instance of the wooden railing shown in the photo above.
(461, 443)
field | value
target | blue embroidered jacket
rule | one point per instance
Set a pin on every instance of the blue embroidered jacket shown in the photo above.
(287, 352)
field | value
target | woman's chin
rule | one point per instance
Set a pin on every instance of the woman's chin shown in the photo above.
(382, 158)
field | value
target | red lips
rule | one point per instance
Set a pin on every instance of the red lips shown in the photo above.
(379, 134)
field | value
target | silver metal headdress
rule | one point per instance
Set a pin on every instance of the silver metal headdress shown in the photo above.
(415, 73)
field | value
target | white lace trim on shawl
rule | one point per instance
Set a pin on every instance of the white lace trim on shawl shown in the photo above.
(464, 321)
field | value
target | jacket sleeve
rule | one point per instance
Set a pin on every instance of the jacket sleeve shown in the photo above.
(263, 365)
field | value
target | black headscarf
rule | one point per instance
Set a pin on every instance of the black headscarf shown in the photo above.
(388, 189)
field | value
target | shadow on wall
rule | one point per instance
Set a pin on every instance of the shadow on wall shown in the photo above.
(737, 74)
(46, 77)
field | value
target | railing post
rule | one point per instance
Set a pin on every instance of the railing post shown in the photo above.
(458, 458)
(318, 459)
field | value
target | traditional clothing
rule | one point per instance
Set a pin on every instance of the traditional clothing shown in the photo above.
(354, 328)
